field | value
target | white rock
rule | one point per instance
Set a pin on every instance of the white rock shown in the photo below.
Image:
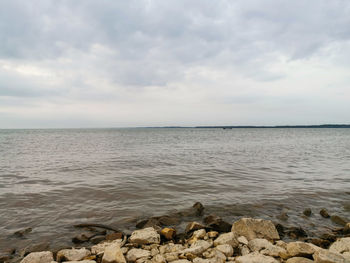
(198, 247)
(226, 249)
(255, 257)
(113, 254)
(38, 257)
(199, 233)
(265, 247)
(145, 236)
(325, 256)
(301, 249)
(226, 238)
(100, 248)
(255, 228)
(171, 247)
(299, 260)
(243, 240)
(158, 259)
(341, 245)
(72, 254)
(136, 253)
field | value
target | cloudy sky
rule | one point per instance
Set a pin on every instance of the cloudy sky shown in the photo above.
(104, 63)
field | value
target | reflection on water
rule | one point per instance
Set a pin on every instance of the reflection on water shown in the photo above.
(52, 179)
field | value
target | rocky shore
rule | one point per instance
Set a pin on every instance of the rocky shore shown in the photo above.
(210, 240)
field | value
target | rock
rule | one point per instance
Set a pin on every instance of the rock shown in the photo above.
(38, 257)
(296, 232)
(198, 247)
(213, 234)
(113, 254)
(325, 256)
(168, 220)
(181, 261)
(43, 246)
(281, 230)
(168, 233)
(97, 239)
(72, 254)
(339, 220)
(199, 234)
(81, 261)
(214, 255)
(226, 249)
(307, 212)
(135, 253)
(171, 247)
(145, 236)
(83, 237)
(158, 259)
(243, 249)
(283, 216)
(100, 248)
(346, 229)
(194, 226)
(242, 240)
(320, 242)
(324, 213)
(255, 228)
(299, 260)
(171, 256)
(341, 245)
(23, 232)
(255, 257)
(217, 224)
(114, 236)
(301, 249)
(226, 238)
(265, 247)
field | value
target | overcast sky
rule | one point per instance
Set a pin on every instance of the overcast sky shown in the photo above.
(99, 63)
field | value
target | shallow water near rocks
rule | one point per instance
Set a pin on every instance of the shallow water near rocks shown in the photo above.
(53, 179)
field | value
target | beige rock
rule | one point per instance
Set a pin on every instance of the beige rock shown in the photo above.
(265, 247)
(181, 261)
(145, 236)
(347, 228)
(255, 257)
(72, 254)
(199, 234)
(301, 249)
(38, 257)
(171, 247)
(299, 260)
(226, 238)
(213, 234)
(172, 256)
(255, 228)
(198, 247)
(136, 253)
(158, 259)
(281, 244)
(341, 245)
(194, 226)
(113, 254)
(168, 233)
(154, 251)
(214, 255)
(325, 256)
(100, 248)
(244, 250)
(80, 261)
(243, 240)
(226, 249)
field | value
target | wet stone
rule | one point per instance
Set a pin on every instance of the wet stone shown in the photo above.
(307, 212)
(324, 213)
(339, 220)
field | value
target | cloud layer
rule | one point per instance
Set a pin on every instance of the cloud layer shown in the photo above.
(106, 63)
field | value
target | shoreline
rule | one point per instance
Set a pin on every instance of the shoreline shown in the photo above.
(200, 230)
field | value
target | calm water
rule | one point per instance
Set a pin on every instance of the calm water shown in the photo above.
(52, 179)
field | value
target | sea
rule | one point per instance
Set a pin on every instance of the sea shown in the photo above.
(52, 179)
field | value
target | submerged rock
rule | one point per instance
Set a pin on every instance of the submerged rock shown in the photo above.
(339, 220)
(255, 228)
(23, 232)
(307, 212)
(324, 213)
(216, 223)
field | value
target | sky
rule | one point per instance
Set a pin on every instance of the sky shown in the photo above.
(99, 63)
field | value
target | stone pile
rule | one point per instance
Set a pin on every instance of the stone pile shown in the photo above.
(249, 241)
